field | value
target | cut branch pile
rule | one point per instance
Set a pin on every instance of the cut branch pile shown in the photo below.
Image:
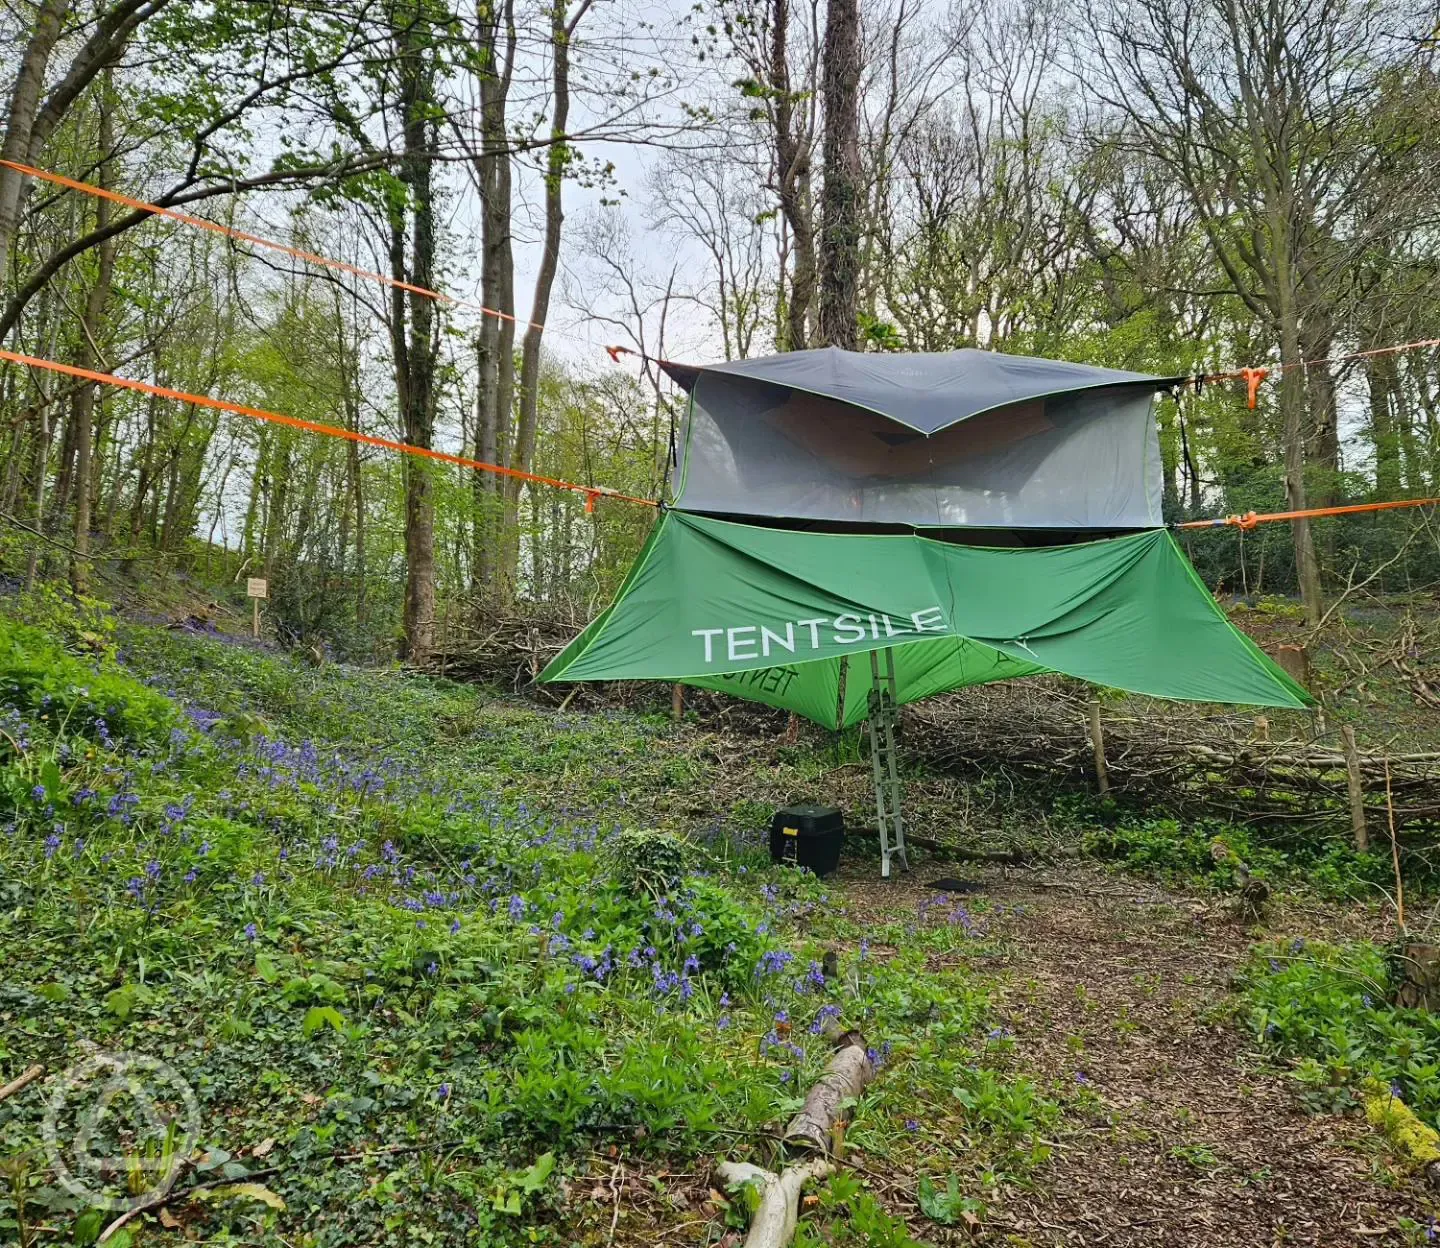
(1225, 765)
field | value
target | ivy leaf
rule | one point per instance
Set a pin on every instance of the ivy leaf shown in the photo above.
(534, 1178)
(317, 1016)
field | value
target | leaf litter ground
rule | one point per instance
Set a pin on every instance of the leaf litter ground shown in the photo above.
(1179, 1132)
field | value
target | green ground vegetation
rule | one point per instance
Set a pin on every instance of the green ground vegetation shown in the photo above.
(425, 960)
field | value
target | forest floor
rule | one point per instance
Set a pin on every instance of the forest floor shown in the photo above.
(1127, 988)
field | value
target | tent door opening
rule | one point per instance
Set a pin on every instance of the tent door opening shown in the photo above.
(883, 709)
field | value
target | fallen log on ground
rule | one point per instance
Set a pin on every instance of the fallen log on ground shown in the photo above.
(773, 1225)
(847, 1076)
(816, 1130)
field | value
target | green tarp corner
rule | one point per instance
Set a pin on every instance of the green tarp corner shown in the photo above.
(776, 616)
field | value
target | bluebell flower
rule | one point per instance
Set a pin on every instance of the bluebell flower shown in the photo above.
(52, 843)
(442, 1093)
(911, 1125)
(250, 932)
(454, 926)
(38, 792)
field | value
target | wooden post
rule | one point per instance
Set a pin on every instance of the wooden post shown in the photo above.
(256, 587)
(1097, 743)
(1356, 787)
(677, 702)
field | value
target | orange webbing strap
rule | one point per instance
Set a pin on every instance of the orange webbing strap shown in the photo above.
(591, 492)
(99, 192)
(1250, 519)
(1252, 377)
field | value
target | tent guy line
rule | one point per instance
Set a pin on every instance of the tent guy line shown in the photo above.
(591, 492)
(203, 223)
(1252, 375)
(1250, 519)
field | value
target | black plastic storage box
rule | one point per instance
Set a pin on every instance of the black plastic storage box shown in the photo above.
(808, 836)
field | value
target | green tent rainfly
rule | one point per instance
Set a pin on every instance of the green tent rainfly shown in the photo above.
(851, 532)
(773, 615)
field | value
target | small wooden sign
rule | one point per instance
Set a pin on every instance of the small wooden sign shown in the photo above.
(256, 587)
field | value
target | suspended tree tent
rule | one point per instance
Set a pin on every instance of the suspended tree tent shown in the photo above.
(946, 519)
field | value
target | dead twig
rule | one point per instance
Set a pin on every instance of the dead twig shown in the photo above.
(20, 1081)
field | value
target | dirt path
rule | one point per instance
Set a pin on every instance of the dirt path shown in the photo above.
(1121, 988)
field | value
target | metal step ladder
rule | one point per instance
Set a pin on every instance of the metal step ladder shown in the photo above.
(882, 715)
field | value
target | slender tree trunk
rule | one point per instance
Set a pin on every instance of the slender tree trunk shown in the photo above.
(496, 345)
(1292, 415)
(557, 160)
(416, 354)
(82, 417)
(840, 196)
(792, 160)
(1384, 434)
(20, 118)
(42, 442)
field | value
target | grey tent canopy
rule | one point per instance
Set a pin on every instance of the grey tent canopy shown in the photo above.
(950, 439)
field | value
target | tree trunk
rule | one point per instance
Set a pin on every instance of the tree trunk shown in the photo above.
(20, 118)
(1292, 416)
(558, 158)
(82, 417)
(792, 171)
(415, 357)
(840, 197)
(1384, 391)
(495, 396)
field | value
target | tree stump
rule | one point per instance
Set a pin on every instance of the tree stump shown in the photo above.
(1418, 977)
(1295, 660)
